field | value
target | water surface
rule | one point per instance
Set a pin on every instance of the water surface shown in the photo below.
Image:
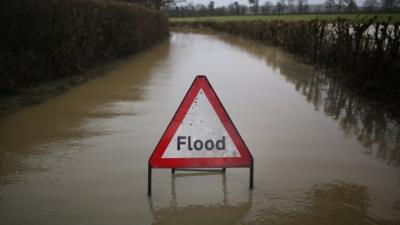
(322, 156)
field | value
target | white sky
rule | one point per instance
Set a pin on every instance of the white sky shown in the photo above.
(246, 2)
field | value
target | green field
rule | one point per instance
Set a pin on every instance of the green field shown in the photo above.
(305, 17)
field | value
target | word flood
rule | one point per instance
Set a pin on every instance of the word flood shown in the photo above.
(199, 144)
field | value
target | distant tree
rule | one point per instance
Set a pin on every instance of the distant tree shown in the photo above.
(291, 6)
(221, 11)
(370, 5)
(190, 9)
(242, 9)
(318, 8)
(233, 8)
(166, 3)
(201, 10)
(330, 5)
(351, 6)
(267, 7)
(158, 4)
(280, 6)
(236, 5)
(389, 4)
(211, 7)
(146, 3)
(254, 5)
(237, 9)
(302, 6)
(339, 5)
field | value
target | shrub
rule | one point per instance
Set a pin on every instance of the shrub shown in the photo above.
(368, 49)
(44, 40)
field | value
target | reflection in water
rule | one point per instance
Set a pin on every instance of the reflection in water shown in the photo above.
(372, 126)
(223, 213)
(331, 203)
(77, 114)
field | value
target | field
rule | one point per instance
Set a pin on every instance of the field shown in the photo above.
(294, 17)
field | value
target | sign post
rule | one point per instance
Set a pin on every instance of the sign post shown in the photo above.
(200, 136)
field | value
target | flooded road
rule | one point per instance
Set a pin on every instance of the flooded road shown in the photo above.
(321, 155)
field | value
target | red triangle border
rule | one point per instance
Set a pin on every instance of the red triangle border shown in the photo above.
(245, 160)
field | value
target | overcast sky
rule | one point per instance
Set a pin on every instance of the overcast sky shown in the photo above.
(246, 2)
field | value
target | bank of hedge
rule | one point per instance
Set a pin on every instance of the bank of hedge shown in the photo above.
(369, 50)
(43, 40)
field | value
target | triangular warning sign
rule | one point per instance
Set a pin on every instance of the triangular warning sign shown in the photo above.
(201, 134)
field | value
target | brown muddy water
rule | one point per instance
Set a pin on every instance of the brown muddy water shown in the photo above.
(321, 155)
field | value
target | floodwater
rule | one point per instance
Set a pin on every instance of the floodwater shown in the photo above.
(321, 155)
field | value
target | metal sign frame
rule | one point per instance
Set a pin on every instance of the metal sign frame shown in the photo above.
(156, 160)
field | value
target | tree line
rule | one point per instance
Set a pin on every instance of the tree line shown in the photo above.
(157, 4)
(280, 7)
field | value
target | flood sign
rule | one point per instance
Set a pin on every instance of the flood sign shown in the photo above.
(201, 135)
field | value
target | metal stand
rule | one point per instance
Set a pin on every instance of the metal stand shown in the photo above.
(149, 180)
(251, 175)
(223, 170)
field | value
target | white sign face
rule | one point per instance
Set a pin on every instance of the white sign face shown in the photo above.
(201, 134)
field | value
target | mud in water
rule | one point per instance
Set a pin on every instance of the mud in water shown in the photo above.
(322, 156)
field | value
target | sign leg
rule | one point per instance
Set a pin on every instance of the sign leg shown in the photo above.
(251, 176)
(173, 170)
(149, 181)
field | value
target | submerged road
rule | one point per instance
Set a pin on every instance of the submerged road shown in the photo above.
(322, 156)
